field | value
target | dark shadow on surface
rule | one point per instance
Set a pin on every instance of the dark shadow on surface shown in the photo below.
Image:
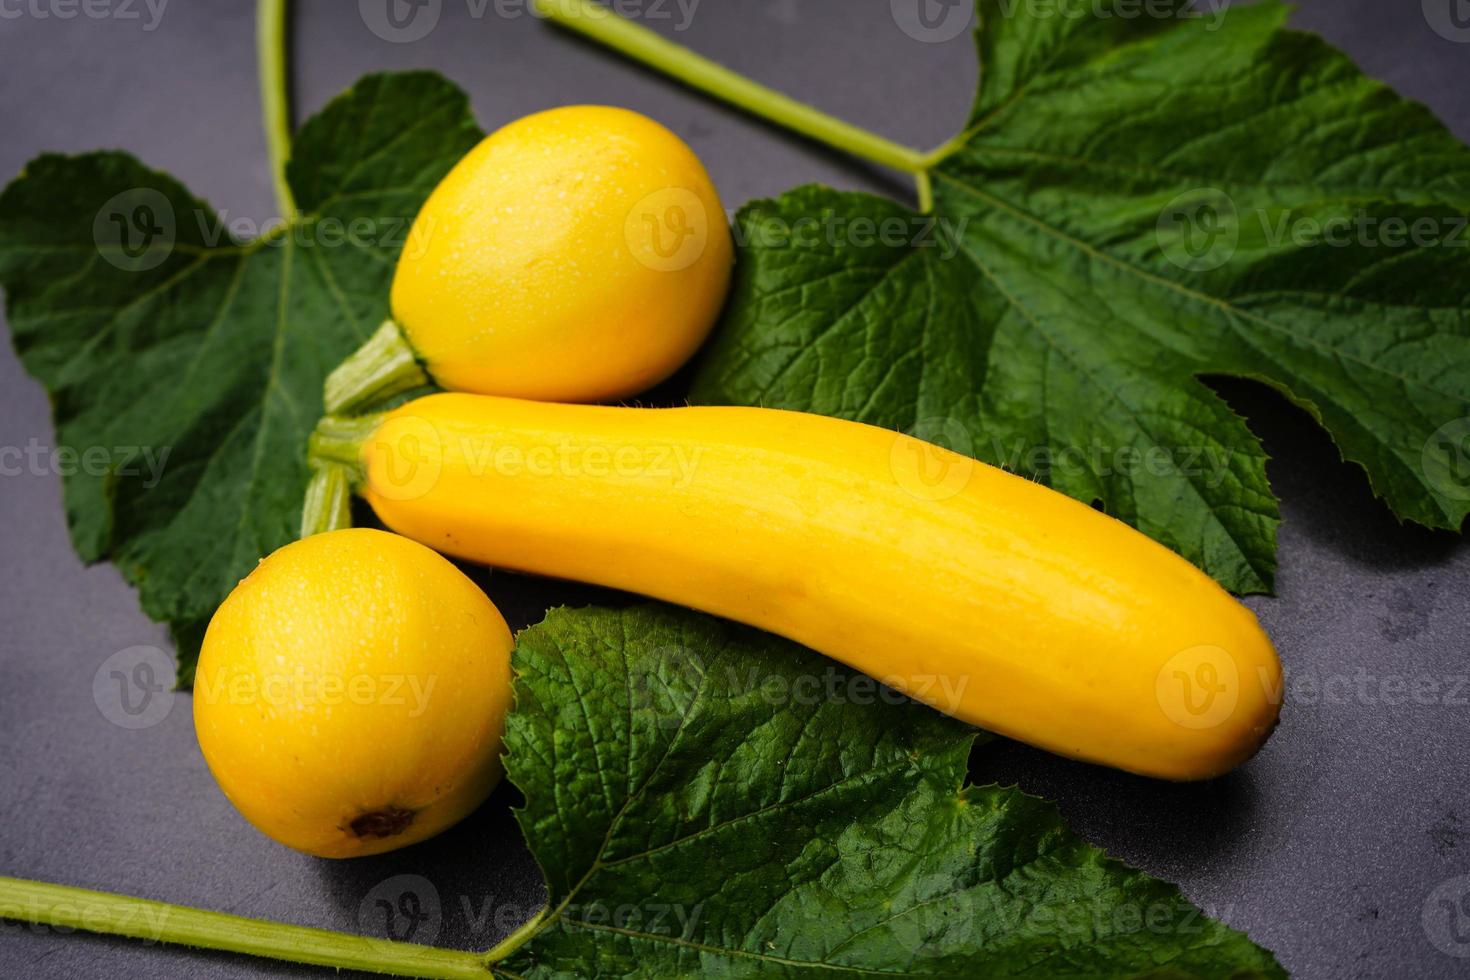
(1322, 497)
(524, 599)
(1160, 826)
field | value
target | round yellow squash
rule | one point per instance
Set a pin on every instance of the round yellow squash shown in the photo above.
(576, 254)
(351, 694)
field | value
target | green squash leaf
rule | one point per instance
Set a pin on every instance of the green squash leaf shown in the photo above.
(709, 800)
(161, 338)
(1136, 202)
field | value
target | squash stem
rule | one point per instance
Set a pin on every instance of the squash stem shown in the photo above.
(328, 505)
(523, 934)
(382, 367)
(275, 100)
(924, 186)
(639, 43)
(338, 441)
(62, 907)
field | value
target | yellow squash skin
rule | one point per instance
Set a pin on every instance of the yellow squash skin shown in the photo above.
(351, 694)
(577, 254)
(992, 598)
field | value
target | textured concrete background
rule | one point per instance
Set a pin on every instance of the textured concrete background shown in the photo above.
(1334, 847)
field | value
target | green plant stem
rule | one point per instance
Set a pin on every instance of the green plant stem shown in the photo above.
(382, 367)
(338, 439)
(517, 939)
(924, 185)
(275, 103)
(334, 453)
(639, 43)
(328, 505)
(64, 907)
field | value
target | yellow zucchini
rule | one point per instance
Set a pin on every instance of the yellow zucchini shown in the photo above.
(992, 598)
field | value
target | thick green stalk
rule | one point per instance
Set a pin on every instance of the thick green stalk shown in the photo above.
(275, 102)
(382, 367)
(328, 505)
(338, 440)
(517, 939)
(642, 45)
(334, 452)
(62, 907)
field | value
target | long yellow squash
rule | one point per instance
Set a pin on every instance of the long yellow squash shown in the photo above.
(994, 599)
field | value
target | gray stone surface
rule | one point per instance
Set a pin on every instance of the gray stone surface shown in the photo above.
(1327, 847)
